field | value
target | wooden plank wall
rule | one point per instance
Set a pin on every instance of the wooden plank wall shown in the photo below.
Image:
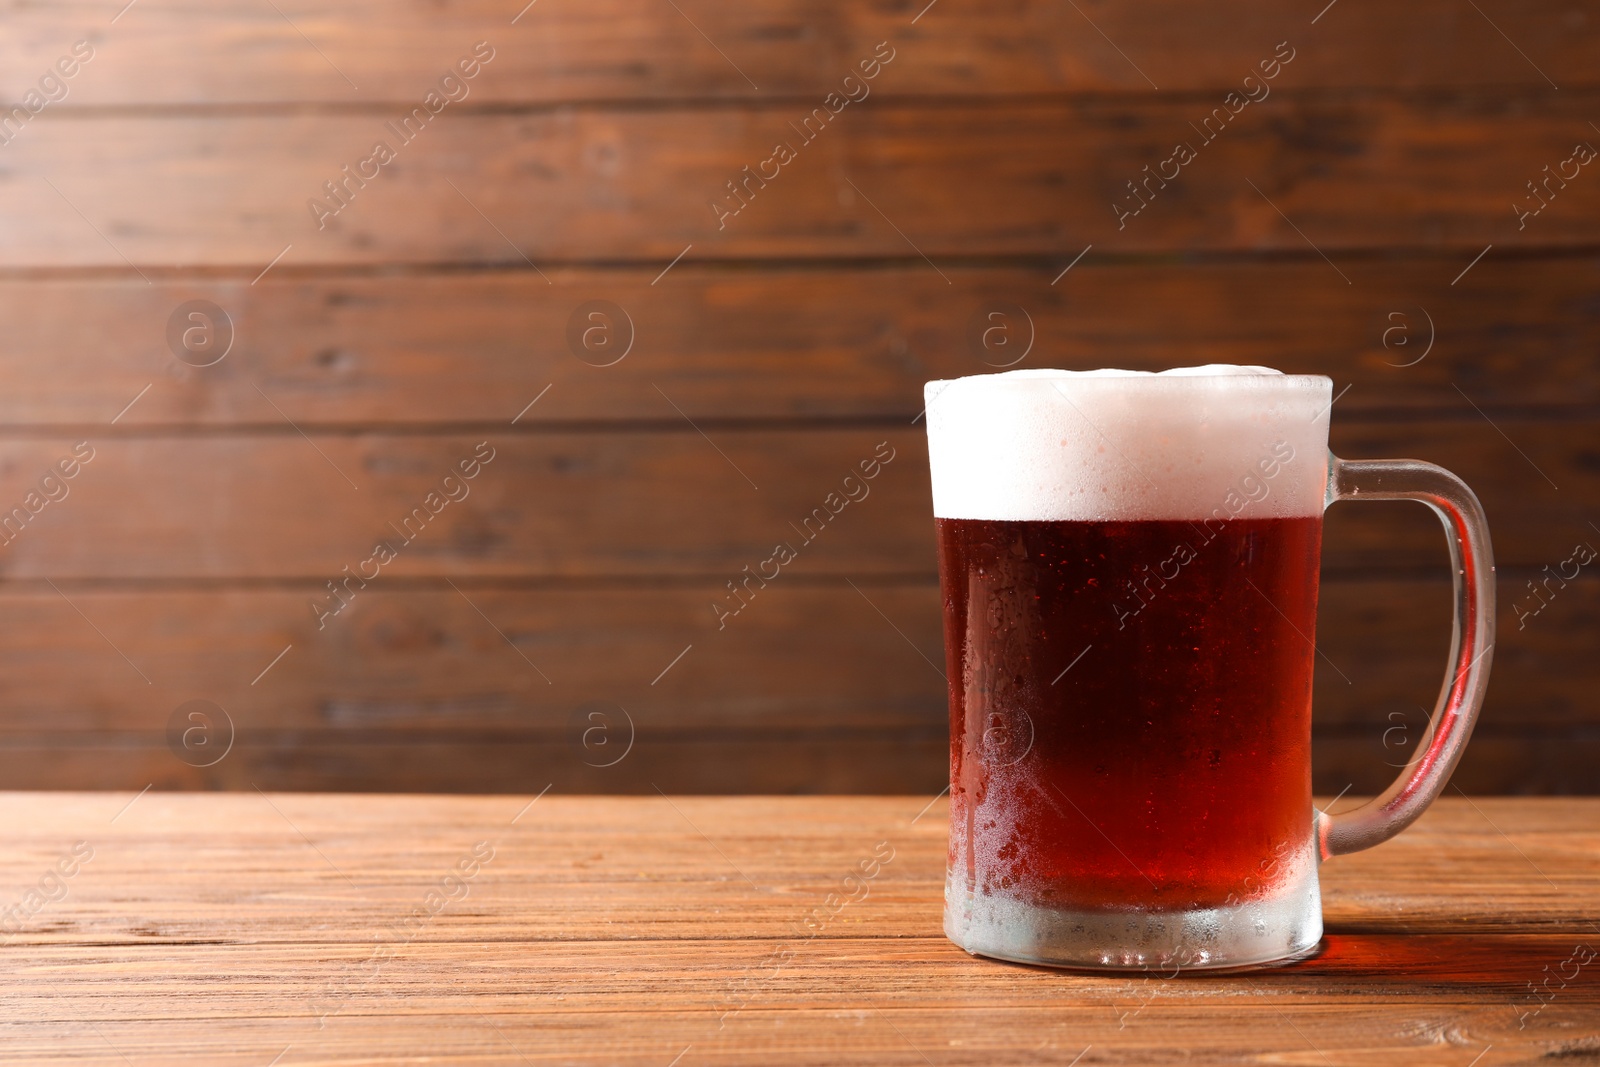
(1357, 218)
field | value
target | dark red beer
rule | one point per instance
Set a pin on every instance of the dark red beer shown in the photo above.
(1130, 707)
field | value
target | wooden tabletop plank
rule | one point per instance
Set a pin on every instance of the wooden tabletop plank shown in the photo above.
(241, 927)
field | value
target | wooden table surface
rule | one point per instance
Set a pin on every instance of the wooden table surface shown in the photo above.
(250, 928)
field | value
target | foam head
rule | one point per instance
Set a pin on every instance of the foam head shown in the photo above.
(1113, 445)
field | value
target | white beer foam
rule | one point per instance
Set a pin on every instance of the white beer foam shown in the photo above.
(1113, 445)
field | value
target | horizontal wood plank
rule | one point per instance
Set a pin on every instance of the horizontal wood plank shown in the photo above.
(771, 761)
(637, 504)
(608, 690)
(803, 656)
(1526, 761)
(229, 928)
(563, 504)
(450, 348)
(776, 840)
(1505, 758)
(879, 1001)
(425, 662)
(946, 181)
(611, 50)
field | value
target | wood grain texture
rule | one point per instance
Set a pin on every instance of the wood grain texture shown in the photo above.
(233, 928)
(763, 759)
(568, 504)
(806, 654)
(611, 50)
(424, 662)
(808, 690)
(784, 343)
(951, 180)
(1504, 758)
(578, 504)
(472, 347)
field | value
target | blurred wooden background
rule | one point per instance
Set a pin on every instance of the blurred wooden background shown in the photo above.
(563, 609)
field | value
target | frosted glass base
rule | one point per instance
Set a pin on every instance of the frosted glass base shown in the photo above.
(1283, 925)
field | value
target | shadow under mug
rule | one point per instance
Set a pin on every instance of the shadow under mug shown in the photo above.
(1129, 570)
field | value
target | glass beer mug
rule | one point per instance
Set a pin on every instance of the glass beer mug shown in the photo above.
(1128, 565)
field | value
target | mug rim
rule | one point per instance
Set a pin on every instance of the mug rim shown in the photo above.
(1121, 376)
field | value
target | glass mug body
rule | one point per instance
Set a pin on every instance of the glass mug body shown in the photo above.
(1129, 568)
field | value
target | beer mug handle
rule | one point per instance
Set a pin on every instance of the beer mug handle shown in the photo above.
(1471, 645)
